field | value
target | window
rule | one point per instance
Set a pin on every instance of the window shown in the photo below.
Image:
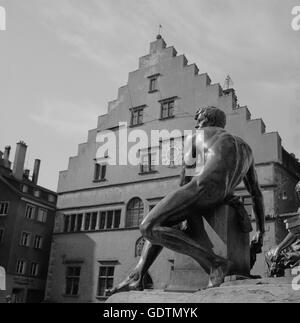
(110, 219)
(51, 198)
(66, 223)
(100, 172)
(167, 109)
(29, 212)
(25, 189)
(34, 269)
(105, 279)
(21, 267)
(42, 215)
(4, 208)
(153, 83)
(38, 242)
(87, 221)
(172, 153)
(25, 239)
(79, 222)
(148, 162)
(37, 193)
(94, 220)
(135, 213)
(137, 115)
(1, 235)
(72, 222)
(72, 280)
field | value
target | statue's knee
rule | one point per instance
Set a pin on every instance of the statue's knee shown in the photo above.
(146, 230)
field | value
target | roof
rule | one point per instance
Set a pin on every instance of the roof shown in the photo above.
(16, 186)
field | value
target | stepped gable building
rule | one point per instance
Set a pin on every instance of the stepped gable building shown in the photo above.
(27, 213)
(96, 236)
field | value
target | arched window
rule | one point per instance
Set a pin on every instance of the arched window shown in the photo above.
(135, 212)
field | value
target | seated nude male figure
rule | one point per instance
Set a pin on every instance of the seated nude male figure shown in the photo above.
(228, 161)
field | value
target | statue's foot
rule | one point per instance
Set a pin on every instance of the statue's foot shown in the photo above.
(217, 275)
(131, 283)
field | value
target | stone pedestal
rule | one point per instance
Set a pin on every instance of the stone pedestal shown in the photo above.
(218, 231)
(293, 224)
(267, 290)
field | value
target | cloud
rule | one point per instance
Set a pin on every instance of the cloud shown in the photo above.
(66, 118)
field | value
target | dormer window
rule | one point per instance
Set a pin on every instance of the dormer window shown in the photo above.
(25, 189)
(137, 115)
(51, 198)
(153, 83)
(37, 193)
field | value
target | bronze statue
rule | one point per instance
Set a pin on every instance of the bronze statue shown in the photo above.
(228, 161)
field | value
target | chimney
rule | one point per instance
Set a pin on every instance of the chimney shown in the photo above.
(26, 173)
(36, 170)
(18, 168)
(6, 156)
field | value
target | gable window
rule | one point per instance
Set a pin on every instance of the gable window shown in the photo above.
(135, 213)
(148, 162)
(25, 239)
(29, 212)
(42, 215)
(100, 172)
(1, 235)
(105, 279)
(21, 267)
(4, 208)
(34, 269)
(167, 108)
(153, 83)
(38, 242)
(137, 115)
(110, 219)
(72, 280)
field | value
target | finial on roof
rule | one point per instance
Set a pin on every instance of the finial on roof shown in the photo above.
(159, 32)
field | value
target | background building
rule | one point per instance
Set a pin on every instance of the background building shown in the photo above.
(26, 225)
(96, 237)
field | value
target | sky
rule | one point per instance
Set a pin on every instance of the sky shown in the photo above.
(62, 61)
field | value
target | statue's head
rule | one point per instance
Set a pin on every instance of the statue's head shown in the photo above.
(210, 117)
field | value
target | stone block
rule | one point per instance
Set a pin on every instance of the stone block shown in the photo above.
(218, 231)
(292, 222)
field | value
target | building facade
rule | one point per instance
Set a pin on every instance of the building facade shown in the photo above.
(27, 213)
(96, 236)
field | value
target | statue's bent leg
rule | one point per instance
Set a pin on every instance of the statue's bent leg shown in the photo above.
(158, 228)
